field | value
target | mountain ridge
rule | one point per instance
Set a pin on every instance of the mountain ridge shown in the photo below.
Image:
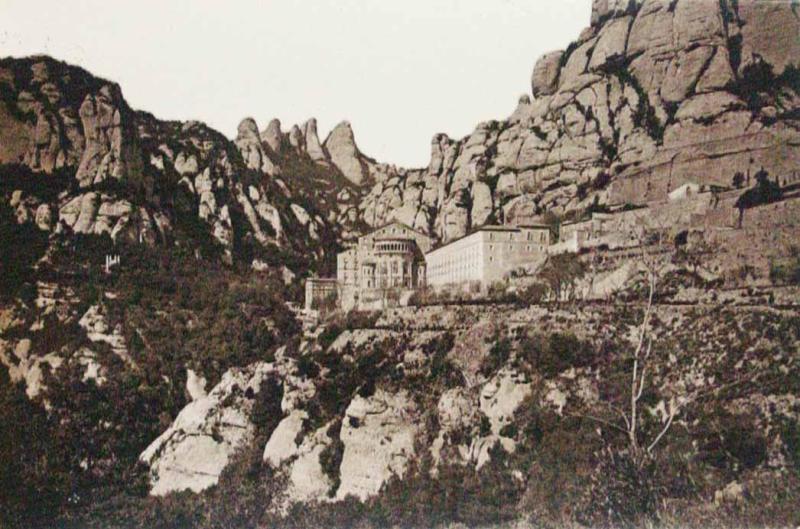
(156, 370)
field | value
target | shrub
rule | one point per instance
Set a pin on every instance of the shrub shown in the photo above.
(28, 244)
(550, 355)
(497, 357)
(533, 294)
(623, 493)
(330, 459)
(730, 442)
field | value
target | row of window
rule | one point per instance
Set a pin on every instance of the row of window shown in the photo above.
(540, 236)
(386, 282)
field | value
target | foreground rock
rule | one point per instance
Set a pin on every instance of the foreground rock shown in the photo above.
(198, 446)
(378, 434)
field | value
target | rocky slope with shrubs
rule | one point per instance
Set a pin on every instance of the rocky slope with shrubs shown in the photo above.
(494, 415)
(178, 389)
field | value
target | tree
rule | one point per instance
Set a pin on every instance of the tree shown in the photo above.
(628, 419)
(738, 180)
(561, 273)
(765, 191)
(553, 221)
(690, 249)
(533, 294)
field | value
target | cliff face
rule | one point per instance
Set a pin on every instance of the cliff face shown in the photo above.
(131, 176)
(181, 369)
(464, 424)
(652, 95)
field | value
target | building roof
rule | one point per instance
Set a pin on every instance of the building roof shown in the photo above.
(488, 227)
(534, 226)
(573, 222)
(397, 223)
(321, 280)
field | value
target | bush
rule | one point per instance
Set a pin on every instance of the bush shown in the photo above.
(624, 492)
(330, 459)
(497, 357)
(787, 270)
(442, 369)
(33, 482)
(23, 245)
(552, 354)
(533, 294)
(730, 442)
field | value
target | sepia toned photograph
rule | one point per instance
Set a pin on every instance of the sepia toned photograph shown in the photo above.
(400, 264)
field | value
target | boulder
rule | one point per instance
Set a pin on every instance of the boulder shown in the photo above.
(44, 217)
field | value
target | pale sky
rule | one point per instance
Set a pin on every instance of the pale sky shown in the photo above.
(398, 70)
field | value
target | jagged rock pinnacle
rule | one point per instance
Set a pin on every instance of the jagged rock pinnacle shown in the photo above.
(341, 146)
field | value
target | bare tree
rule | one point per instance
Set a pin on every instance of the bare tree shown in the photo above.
(650, 242)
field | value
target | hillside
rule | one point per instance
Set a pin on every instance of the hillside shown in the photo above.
(155, 370)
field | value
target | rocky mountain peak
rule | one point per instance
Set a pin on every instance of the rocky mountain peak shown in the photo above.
(248, 141)
(341, 146)
(272, 135)
(247, 130)
(649, 97)
(313, 145)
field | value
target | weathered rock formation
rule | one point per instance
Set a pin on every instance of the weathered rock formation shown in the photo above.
(192, 453)
(654, 94)
(139, 178)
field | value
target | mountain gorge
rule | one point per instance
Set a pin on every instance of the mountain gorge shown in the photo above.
(155, 370)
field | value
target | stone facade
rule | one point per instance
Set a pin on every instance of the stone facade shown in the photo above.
(320, 292)
(486, 255)
(388, 261)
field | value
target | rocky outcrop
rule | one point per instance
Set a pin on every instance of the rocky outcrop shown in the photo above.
(312, 145)
(378, 434)
(98, 330)
(654, 94)
(273, 136)
(192, 453)
(139, 178)
(248, 141)
(545, 74)
(110, 150)
(341, 146)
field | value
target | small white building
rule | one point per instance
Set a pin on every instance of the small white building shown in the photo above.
(685, 191)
